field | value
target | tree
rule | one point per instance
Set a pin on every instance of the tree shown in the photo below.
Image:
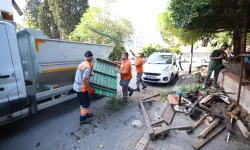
(19, 26)
(208, 16)
(30, 21)
(31, 13)
(167, 28)
(67, 14)
(46, 21)
(148, 50)
(101, 20)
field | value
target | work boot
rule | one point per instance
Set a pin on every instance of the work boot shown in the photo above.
(89, 115)
(85, 121)
(144, 87)
(131, 92)
(137, 90)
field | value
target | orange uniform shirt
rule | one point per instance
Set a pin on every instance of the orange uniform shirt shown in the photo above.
(126, 67)
(139, 64)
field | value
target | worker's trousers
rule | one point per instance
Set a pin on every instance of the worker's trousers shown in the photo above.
(139, 80)
(125, 88)
(209, 73)
(84, 104)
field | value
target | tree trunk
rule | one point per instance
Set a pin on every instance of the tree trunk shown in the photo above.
(236, 44)
(191, 59)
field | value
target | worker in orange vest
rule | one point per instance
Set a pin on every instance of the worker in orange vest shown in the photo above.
(81, 86)
(126, 75)
(139, 69)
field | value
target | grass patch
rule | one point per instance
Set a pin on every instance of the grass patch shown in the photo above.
(163, 95)
(189, 87)
(115, 105)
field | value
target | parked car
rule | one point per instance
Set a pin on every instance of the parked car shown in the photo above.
(160, 67)
(204, 59)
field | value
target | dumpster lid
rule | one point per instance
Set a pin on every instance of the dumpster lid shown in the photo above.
(104, 79)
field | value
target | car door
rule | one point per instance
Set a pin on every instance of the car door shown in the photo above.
(9, 97)
(174, 64)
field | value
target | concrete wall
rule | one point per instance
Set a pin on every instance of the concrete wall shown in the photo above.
(230, 83)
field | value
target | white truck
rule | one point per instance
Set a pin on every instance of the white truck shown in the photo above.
(36, 72)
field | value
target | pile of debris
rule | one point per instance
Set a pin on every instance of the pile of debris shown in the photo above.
(214, 109)
(201, 73)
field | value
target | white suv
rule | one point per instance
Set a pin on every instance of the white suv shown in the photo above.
(160, 67)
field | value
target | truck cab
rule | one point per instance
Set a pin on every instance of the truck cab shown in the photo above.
(13, 98)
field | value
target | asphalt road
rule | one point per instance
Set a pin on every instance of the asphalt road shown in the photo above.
(57, 127)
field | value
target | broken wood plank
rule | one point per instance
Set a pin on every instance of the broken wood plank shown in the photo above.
(228, 135)
(168, 114)
(152, 100)
(243, 129)
(206, 99)
(209, 128)
(202, 142)
(163, 130)
(215, 122)
(208, 110)
(206, 121)
(147, 121)
(192, 106)
(172, 100)
(156, 95)
(227, 121)
(197, 123)
(157, 121)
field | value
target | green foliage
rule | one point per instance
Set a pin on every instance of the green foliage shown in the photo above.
(188, 87)
(248, 39)
(223, 37)
(115, 105)
(101, 20)
(175, 50)
(30, 21)
(67, 14)
(117, 52)
(168, 30)
(19, 27)
(148, 50)
(46, 21)
(208, 16)
(31, 13)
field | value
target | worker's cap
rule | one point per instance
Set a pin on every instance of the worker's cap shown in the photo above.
(88, 54)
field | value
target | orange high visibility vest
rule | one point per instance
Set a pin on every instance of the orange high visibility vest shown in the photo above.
(79, 85)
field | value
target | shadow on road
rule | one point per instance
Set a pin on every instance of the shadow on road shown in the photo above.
(165, 85)
(38, 119)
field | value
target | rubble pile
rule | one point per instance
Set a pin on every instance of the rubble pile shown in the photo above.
(215, 109)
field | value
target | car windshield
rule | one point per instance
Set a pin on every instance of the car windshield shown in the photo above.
(159, 59)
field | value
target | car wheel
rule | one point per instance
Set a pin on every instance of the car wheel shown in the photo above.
(203, 61)
(171, 80)
(177, 74)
